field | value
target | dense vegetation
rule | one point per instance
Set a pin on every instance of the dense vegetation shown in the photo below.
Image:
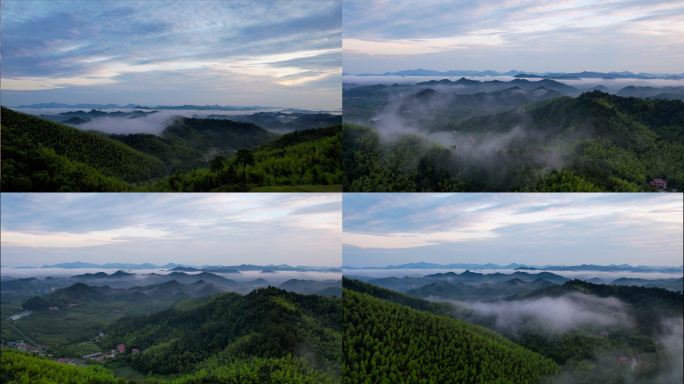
(389, 343)
(311, 156)
(266, 323)
(595, 142)
(30, 166)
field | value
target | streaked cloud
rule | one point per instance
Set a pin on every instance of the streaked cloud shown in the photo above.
(222, 46)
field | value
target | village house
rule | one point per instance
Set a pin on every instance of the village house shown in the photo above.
(121, 348)
(658, 183)
(134, 351)
(52, 308)
(101, 334)
(604, 334)
(62, 360)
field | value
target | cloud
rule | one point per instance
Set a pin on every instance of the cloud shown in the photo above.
(525, 35)
(71, 45)
(551, 315)
(208, 228)
(536, 229)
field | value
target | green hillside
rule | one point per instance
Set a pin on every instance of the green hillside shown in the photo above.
(266, 323)
(595, 142)
(109, 157)
(176, 157)
(223, 135)
(306, 157)
(30, 166)
(21, 367)
(386, 342)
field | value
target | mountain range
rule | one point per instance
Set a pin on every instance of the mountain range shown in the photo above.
(214, 107)
(207, 268)
(583, 267)
(584, 74)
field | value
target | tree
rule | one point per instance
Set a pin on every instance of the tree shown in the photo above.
(245, 157)
(217, 163)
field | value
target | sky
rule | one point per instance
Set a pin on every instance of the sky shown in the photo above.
(532, 229)
(526, 35)
(267, 53)
(194, 229)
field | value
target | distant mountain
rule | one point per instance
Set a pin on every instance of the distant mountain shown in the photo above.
(138, 106)
(574, 75)
(583, 267)
(78, 264)
(313, 287)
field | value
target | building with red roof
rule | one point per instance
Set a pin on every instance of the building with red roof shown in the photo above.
(121, 348)
(134, 351)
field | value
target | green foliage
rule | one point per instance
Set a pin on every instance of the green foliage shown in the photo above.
(386, 342)
(109, 157)
(20, 367)
(595, 142)
(29, 166)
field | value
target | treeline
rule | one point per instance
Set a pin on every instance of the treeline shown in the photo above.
(20, 367)
(311, 156)
(30, 166)
(386, 342)
(107, 156)
(596, 142)
(266, 323)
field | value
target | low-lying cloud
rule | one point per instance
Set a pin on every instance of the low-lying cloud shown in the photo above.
(153, 123)
(551, 315)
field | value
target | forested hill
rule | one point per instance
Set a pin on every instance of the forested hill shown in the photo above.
(595, 142)
(390, 343)
(109, 157)
(224, 135)
(266, 323)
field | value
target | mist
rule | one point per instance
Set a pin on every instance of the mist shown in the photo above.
(548, 315)
(153, 123)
